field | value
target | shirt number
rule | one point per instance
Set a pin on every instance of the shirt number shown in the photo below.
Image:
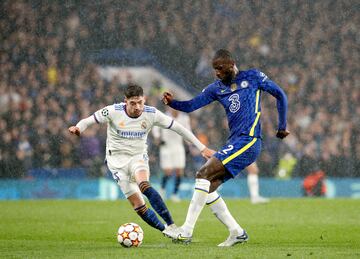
(116, 176)
(235, 103)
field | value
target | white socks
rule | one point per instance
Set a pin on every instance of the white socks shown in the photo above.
(253, 184)
(221, 211)
(196, 205)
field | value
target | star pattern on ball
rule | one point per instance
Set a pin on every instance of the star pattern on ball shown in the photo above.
(124, 234)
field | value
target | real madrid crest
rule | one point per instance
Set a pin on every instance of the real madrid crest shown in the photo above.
(143, 125)
(233, 87)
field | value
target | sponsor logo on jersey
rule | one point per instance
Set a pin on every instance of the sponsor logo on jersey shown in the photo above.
(244, 84)
(131, 134)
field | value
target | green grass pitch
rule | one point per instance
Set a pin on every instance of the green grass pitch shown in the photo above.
(295, 228)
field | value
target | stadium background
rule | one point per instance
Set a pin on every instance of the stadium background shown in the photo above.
(51, 55)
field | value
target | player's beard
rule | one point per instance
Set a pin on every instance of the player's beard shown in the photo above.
(227, 78)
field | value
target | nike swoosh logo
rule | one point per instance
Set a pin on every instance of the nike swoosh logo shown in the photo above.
(243, 237)
(180, 237)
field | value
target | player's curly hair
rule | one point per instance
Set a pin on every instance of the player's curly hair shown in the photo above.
(224, 54)
(133, 90)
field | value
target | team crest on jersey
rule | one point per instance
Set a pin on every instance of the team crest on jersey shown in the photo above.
(121, 124)
(105, 112)
(233, 87)
(244, 84)
(143, 125)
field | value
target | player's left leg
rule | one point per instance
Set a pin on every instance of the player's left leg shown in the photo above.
(179, 172)
(142, 179)
(253, 184)
(221, 211)
(164, 180)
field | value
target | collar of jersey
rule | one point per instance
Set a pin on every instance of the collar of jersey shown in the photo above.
(129, 115)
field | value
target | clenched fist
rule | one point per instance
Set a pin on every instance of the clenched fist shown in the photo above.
(167, 98)
(74, 130)
(282, 133)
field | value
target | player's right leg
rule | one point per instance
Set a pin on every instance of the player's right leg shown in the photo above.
(144, 212)
(142, 179)
(212, 170)
(253, 184)
(119, 167)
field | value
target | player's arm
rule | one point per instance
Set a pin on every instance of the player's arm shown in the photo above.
(201, 100)
(281, 102)
(82, 125)
(167, 122)
(101, 116)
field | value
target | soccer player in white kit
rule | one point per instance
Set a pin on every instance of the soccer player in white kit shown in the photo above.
(172, 152)
(128, 125)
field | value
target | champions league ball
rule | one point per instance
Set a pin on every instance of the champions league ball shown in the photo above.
(130, 235)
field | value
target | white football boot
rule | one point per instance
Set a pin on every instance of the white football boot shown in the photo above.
(235, 239)
(177, 235)
(259, 200)
(175, 198)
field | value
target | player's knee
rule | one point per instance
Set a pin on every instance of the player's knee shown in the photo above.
(214, 185)
(203, 173)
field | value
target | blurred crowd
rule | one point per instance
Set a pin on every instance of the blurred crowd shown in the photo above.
(47, 83)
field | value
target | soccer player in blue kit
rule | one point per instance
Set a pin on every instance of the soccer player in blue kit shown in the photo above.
(239, 93)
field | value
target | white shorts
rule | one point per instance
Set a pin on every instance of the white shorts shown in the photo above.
(172, 157)
(123, 169)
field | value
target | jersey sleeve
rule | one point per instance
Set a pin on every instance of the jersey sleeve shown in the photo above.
(272, 88)
(104, 115)
(162, 120)
(204, 98)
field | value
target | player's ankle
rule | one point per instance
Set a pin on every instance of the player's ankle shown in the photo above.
(186, 231)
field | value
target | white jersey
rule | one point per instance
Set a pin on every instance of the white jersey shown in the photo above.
(126, 148)
(129, 135)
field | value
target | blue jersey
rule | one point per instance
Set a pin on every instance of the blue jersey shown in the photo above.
(241, 99)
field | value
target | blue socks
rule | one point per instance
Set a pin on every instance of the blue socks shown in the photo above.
(156, 201)
(150, 217)
(164, 181)
(177, 184)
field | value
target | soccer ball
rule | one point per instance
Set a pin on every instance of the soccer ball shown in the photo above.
(130, 235)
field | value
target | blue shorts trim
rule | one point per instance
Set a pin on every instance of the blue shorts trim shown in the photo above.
(237, 154)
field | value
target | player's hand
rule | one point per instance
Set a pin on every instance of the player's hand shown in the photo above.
(74, 130)
(167, 98)
(282, 133)
(207, 153)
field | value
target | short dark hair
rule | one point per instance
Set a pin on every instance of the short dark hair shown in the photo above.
(223, 53)
(133, 90)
